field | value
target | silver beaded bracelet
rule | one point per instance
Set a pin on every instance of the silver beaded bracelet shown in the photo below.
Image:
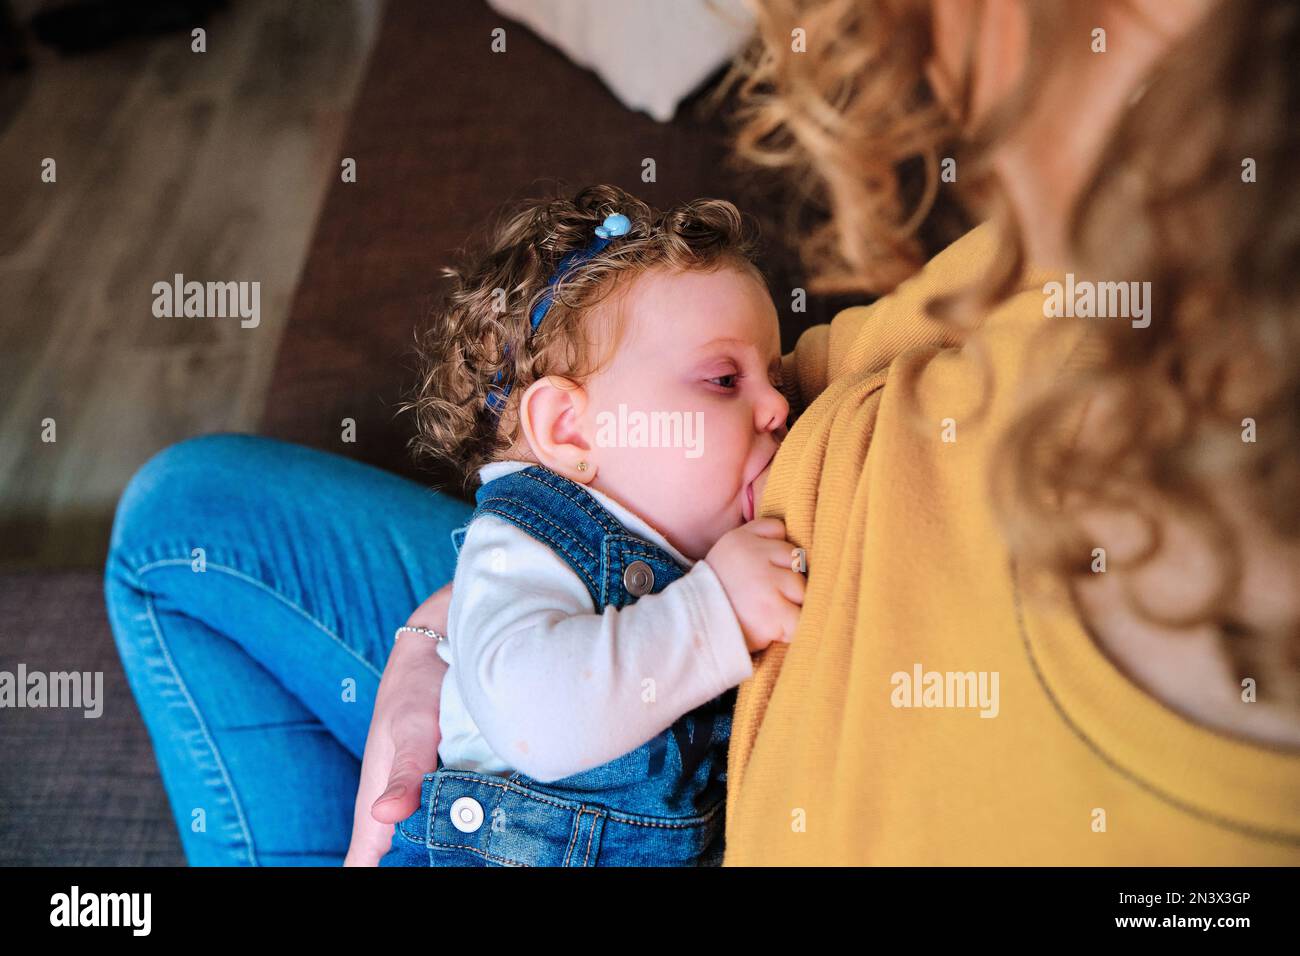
(426, 631)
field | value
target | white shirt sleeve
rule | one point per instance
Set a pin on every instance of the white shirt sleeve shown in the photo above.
(555, 688)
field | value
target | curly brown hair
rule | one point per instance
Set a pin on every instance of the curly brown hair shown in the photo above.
(1166, 202)
(481, 327)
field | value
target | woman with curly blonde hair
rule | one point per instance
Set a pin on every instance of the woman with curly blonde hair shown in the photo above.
(1045, 484)
(1049, 479)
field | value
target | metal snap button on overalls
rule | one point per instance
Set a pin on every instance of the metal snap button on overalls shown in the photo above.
(639, 578)
(466, 814)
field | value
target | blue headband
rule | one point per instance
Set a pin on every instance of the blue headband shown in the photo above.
(615, 224)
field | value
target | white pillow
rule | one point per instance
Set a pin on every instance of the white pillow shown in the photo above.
(652, 54)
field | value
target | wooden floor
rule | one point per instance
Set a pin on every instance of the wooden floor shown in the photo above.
(212, 165)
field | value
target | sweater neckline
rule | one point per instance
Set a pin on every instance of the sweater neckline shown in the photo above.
(1248, 787)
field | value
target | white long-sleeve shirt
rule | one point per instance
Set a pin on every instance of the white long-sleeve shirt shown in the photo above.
(541, 684)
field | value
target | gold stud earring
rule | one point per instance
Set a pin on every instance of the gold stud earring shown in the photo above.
(582, 466)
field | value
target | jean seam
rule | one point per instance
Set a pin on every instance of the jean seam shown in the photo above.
(473, 849)
(700, 820)
(585, 500)
(249, 579)
(564, 535)
(402, 833)
(573, 838)
(518, 788)
(203, 728)
(591, 837)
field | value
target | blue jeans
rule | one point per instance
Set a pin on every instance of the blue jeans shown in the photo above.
(524, 824)
(253, 588)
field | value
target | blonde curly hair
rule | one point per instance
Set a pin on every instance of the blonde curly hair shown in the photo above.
(1166, 201)
(481, 327)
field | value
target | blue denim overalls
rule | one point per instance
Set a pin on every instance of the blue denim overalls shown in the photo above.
(662, 804)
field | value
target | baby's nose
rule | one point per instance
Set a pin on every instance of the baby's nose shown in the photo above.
(774, 420)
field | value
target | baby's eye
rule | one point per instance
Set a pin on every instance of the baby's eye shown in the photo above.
(726, 381)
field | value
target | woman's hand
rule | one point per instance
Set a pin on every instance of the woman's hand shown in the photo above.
(402, 745)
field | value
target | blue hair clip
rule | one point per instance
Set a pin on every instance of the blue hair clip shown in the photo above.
(615, 225)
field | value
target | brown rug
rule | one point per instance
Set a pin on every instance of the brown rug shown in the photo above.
(75, 790)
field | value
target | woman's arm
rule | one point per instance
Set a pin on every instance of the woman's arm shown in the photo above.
(402, 745)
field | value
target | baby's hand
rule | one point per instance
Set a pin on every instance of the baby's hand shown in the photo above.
(753, 564)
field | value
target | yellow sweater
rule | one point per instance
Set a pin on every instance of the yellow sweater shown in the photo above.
(835, 759)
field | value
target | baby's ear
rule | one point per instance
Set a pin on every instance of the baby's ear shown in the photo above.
(551, 418)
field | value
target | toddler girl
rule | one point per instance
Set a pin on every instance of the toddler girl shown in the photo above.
(610, 376)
